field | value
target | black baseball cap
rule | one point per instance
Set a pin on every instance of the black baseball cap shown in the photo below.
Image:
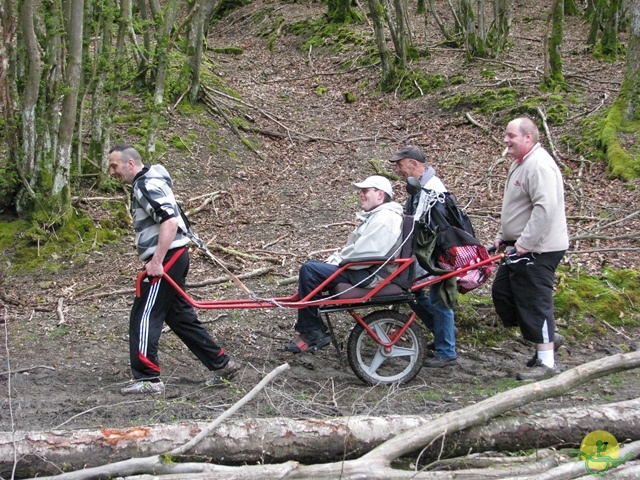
(409, 152)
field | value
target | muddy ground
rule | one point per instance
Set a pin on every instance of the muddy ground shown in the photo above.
(64, 335)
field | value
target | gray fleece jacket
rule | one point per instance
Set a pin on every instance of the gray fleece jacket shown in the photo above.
(379, 235)
(533, 207)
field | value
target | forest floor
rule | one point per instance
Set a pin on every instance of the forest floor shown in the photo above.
(65, 334)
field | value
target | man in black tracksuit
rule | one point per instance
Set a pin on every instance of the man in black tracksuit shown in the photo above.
(161, 243)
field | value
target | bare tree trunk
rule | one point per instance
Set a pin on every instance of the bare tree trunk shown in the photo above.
(555, 42)
(143, 60)
(378, 13)
(72, 80)
(377, 462)
(611, 25)
(500, 404)
(8, 47)
(195, 42)
(502, 17)
(276, 440)
(474, 39)
(448, 35)
(104, 67)
(33, 64)
(341, 11)
(631, 81)
(594, 11)
(624, 112)
(164, 21)
(114, 84)
(399, 30)
(238, 441)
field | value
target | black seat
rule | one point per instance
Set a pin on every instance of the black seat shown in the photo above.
(396, 286)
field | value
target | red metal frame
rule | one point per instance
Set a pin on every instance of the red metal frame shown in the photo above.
(293, 301)
(388, 346)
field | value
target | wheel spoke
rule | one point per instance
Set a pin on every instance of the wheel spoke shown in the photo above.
(381, 331)
(378, 360)
(403, 351)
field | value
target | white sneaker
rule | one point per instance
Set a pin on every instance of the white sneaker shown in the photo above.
(144, 387)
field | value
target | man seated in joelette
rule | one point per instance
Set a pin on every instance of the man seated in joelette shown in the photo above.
(379, 235)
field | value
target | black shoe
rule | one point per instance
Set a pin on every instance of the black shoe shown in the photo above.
(223, 375)
(437, 362)
(539, 371)
(308, 342)
(558, 341)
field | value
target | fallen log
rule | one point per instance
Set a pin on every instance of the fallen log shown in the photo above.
(234, 442)
(377, 463)
(274, 440)
(549, 428)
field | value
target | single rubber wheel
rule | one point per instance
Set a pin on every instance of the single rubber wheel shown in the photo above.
(375, 364)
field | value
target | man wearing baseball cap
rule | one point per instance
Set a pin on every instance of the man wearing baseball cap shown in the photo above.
(432, 310)
(379, 235)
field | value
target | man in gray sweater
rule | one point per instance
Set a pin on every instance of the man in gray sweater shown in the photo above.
(534, 230)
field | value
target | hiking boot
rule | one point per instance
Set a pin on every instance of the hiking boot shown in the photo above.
(308, 342)
(143, 387)
(223, 375)
(558, 341)
(437, 362)
(539, 371)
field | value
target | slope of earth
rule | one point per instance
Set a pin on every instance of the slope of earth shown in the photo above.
(66, 334)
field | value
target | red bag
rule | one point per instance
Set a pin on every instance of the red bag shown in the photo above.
(461, 256)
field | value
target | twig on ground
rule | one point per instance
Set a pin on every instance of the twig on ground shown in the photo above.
(339, 224)
(22, 370)
(323, 251)
(59, 311)
(93, 409)
(482, 127)
(254, 391)
(291, 134)
(246, 256)
(600, 250)
(232, 126)
(281, 237)
(554, 152)
(209, 200)
(617, 331)
(98, 199)
(590, 112)
(596, 236)
(288, 281)
(224, 279)
(487, 175)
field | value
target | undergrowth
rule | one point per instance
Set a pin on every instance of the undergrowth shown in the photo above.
(589, 305)
(29, 247)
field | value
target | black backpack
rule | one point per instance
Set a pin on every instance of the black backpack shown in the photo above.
(444, 240)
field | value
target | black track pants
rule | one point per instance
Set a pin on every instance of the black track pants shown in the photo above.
(522, 294)
(159, 303)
